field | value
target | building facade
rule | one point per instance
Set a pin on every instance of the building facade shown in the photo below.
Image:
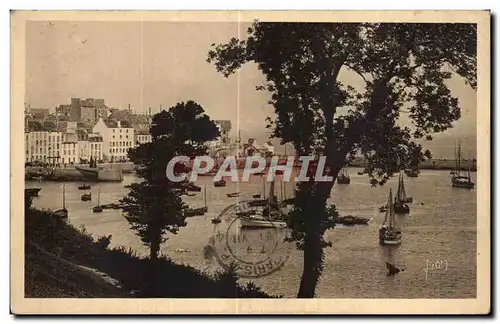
(117, 138)
(88, 110)
(69, 153)
(143, 137)
(43, 147)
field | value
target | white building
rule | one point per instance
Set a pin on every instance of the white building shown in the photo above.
(117, 139)
(143, 137)
(95, 147)
(43, 146)
(69, 153)
(90, 147)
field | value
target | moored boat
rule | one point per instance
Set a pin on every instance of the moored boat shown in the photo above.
(269, 217)
(190, 212)
(389, 234)
(457, 179)
(98, 208)
(32, 192)
(97, 174)
(220, 183)
(343, 177)
(84, 187)
(261, 222)
(350, 220)
(86, 197)
(401, 200)
(63, 212)
(412, 173)
(192, 187)
(233, 194)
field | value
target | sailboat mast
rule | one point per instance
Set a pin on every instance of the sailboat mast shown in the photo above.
(388, 211)
(98, 196)
(64, 195)
(390, 207)
(205, 194)
(459, 158)
(264, 186)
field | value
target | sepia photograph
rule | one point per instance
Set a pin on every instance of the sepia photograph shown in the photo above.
(241, 162)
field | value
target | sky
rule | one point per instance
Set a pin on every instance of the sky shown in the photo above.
(153, 64)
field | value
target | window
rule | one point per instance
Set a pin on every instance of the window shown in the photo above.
(120, 137)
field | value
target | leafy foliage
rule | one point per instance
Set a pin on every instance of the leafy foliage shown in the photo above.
(154, 206)
(404, 68)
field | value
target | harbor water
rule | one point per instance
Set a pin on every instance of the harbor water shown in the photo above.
(438, 250)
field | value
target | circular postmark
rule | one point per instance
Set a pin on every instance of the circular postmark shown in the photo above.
(253, 245)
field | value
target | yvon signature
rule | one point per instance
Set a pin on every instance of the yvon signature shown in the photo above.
(434, 266)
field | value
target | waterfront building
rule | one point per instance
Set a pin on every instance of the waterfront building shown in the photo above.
(69, 153)
(143, 137)
(89, 146)
(43, 147)
(117, 138)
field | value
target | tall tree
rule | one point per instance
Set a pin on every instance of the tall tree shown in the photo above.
(154, 206)
(403, 67)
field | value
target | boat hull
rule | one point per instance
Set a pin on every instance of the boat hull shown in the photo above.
(466, 185)
(401, 209)
(60, 213)
(257, 223)
(101, 175)
(389, 239)
(33, 192)
(343, 180)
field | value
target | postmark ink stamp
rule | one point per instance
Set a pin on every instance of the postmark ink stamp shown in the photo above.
(253, 253)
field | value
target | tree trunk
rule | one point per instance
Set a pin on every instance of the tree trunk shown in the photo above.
(154, 250)
(313, 241)
(310, 272)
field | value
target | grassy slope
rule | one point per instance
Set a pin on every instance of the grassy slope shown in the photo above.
(53, 249)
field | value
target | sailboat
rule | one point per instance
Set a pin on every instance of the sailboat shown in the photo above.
(269, 217)
(98, 208)
(401, 200)
(388, 233)
(190, 212)
(343, 177)
(457, 180)
(63, 212)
